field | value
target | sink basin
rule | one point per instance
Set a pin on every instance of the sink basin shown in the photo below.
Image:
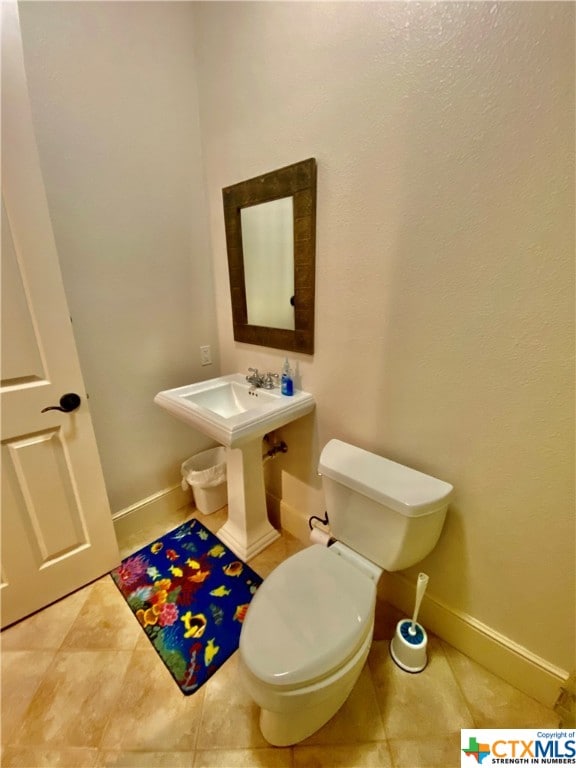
(230, 398)
(231, 411)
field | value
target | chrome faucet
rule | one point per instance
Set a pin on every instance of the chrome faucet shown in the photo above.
(255, 378)
(258, 381)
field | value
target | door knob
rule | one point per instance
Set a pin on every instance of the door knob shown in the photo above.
(68, 402)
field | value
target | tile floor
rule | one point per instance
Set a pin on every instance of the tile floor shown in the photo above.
(82, 687)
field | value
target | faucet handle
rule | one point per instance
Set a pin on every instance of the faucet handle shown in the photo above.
(269, 380)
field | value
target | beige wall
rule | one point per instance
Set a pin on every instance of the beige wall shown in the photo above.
(445, 244)
(113, 94)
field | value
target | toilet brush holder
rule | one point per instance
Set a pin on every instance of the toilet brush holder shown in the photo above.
(408, 646)
(409, 650)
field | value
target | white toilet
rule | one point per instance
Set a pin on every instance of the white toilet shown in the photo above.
(309, 627)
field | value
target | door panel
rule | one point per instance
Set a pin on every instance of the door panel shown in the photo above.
(41, 475)
(20, 352)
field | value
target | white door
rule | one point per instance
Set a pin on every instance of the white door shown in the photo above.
(57, 531)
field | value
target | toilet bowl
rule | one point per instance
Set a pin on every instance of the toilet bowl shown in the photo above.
(308, 631)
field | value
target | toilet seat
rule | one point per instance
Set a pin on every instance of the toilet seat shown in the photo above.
(307, 618)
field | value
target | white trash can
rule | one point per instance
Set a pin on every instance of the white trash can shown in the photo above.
(205, 473)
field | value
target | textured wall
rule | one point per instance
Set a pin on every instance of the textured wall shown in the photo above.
(445, 243)
(114, 103)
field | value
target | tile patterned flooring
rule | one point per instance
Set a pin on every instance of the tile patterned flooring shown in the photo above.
(82, 687)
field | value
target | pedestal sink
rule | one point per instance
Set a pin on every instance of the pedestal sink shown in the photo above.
(237, 415)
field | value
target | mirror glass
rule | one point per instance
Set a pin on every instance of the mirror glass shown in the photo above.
(270, 225)
(268, 247)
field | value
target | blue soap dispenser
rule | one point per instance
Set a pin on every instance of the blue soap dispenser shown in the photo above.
(287, 386)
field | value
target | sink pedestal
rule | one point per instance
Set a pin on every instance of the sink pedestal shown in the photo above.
(247, 530)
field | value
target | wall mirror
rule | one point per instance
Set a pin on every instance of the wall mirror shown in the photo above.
(270, 225)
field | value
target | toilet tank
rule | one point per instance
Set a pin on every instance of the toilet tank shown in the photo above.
(389, 513)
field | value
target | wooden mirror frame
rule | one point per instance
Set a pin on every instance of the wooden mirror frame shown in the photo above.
(299, 182)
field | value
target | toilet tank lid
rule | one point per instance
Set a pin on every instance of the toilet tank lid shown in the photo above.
(401, 488)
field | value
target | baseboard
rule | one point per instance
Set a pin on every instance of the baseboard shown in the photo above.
(294, 522)
(495, 652)
(148, 511)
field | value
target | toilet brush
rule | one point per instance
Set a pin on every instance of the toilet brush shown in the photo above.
(408, 646)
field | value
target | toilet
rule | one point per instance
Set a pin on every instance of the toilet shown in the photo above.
(308, 631)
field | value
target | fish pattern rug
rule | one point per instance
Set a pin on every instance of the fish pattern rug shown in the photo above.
(190, 593)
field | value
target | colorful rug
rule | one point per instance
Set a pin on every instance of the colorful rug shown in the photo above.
(190, 593)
